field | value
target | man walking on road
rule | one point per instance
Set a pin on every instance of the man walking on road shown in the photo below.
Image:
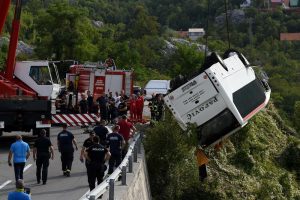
(21, 152)
(101, 131)
(65, 142)
(96, 155)
(86, 144)
(116, 143)
(42, 152)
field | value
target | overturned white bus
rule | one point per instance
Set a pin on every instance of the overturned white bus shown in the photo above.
(220, 99)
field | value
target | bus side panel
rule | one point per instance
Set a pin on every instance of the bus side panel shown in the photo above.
(197, 101)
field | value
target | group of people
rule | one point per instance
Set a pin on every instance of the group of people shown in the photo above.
(101, 146)
(113, 106)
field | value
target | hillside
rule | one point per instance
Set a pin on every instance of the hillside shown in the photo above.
(259, 162)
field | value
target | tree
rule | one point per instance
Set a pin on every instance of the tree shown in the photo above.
(65, 32)
(142, 24)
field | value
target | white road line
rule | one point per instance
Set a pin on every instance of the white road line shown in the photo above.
(9, 181)
(27, 167)
(4, 184)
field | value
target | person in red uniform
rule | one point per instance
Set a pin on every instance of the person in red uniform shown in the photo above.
(132, 109)
(126, 130)
(139, 107)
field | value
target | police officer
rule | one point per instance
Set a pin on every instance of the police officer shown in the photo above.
(42, 151)
(101, 131)
(86, 144)
(96, 155)
(116, 143)
(65, 142)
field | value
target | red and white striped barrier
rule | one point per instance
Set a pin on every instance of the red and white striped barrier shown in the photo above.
(75, 119)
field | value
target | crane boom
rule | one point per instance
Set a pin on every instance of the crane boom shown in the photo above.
(11, 55)
(4, 5)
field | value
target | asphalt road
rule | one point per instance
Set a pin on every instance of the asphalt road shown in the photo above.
(58, 186)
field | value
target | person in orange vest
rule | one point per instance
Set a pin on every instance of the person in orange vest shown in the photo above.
(139, 107)
(132, 109)
(202, 161)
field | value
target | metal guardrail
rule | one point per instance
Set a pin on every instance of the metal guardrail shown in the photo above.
(108, 183)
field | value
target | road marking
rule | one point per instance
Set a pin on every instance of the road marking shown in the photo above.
(27, 167)
(4, 184)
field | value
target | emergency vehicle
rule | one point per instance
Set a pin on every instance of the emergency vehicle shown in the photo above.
(27, 88)
(99, 80)
(220, 99)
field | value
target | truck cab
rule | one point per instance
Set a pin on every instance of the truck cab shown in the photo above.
(41, 76)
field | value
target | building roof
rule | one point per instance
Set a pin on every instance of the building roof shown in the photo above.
(290, 36)
(196, 30)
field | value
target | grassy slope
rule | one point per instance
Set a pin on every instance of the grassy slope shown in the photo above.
(259, 162)
(254, 163)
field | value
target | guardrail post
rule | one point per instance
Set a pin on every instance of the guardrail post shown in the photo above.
(92, 197)
(130, 164)
(135, 153)
(124, 175)
(111, 189)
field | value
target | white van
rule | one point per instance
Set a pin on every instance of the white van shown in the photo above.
(156, 87)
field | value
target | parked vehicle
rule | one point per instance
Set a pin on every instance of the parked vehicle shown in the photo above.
(154, 87)
(27, 87)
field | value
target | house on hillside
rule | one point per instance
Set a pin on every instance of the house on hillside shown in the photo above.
(289, 36)
(195, 33)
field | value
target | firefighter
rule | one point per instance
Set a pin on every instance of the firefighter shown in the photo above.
(160, 107)
(139, 107)
(96, 155)
(65, 142)
(133, 108)
(153, 109)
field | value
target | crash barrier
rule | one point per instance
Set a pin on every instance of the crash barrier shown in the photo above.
(108, 184)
